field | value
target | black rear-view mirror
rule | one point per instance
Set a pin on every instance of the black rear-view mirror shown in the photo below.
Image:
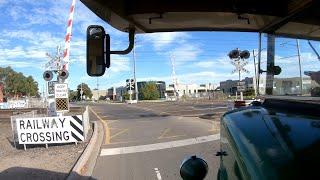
(98, 50)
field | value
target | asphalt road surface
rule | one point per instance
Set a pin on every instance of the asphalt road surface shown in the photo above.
(150, 140)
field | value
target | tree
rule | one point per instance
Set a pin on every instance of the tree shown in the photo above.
(315, 92)
(249, 92)
(126, 96)
(73, 95)
(150, 91)
(86, 91)
(31, 86)
(16, 84)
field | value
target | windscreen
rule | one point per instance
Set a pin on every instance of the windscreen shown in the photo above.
(299, 63)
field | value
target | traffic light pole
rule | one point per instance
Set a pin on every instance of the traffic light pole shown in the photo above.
(134, 72)
(299, 58)
(130, 91)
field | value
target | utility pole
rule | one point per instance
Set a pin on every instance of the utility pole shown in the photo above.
(259, 63)
(134, 70)
(46, 93)
(241, 93)
(270, 63)
(255, 73)
(81, 92)
(59, 60)
(299, 58)
(130, 91)
(98, 89)
(43, 95)
(174, 78)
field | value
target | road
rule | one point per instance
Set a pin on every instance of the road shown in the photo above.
(150, 140)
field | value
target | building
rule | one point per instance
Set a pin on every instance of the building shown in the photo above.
(291, 86)
(190, 90)
(98, 94)
(249, 83)
(287, 86)
(161, 86)
(230, 87)
(112, 93)
(120, 92)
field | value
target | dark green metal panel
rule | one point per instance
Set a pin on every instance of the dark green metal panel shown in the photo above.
(265, 143)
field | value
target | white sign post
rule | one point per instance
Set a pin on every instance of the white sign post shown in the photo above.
(51, 107)
(50, 130)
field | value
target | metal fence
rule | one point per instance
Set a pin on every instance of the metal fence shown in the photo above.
(36, 103)
(23, 103)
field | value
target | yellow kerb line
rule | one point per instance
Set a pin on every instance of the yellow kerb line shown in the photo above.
(106, 127)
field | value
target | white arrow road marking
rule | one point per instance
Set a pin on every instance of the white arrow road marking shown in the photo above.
(158, 146)
(158, 173)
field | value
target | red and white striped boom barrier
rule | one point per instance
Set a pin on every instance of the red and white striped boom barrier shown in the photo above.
(66, 53)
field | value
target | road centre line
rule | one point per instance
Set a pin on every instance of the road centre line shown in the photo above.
(158, 146)
(158, 173)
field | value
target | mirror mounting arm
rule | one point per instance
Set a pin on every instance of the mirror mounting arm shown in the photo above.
(131, 44)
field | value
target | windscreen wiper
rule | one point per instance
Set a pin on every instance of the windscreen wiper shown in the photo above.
(314, 50)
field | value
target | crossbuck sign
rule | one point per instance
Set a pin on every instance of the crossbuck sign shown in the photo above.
(47, 130)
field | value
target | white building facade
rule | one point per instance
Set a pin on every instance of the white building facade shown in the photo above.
(190, 90)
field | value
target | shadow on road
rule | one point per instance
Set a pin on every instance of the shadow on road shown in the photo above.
(22, 173)
(153, 115)
(211, 116)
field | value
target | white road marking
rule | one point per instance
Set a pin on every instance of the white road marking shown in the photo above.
(158, 173)
(158, 146)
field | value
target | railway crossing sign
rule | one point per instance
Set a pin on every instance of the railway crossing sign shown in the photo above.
(48, 130)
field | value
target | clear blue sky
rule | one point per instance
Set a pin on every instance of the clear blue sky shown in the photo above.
(31, 28)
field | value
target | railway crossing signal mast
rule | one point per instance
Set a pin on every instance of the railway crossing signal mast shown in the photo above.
(238, 59)
(59, 65)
